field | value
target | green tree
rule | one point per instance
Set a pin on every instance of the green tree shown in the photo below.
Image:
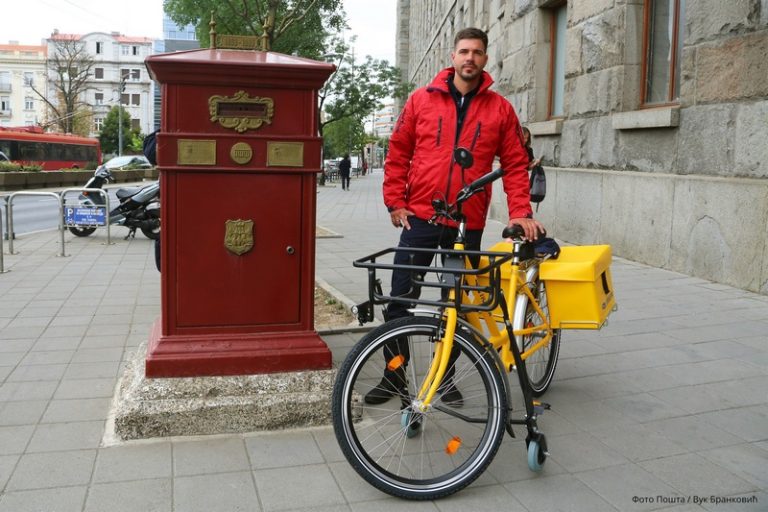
(109, 133)
(355, 91)
(345, 136)
(289, 26)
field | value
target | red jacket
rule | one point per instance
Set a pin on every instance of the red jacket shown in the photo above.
(418, 163)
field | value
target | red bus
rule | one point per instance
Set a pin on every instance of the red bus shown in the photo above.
(31, 146)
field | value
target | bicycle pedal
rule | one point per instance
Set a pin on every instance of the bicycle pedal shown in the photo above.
(540, 407)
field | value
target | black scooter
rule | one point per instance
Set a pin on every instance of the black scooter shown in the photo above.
(139, 207)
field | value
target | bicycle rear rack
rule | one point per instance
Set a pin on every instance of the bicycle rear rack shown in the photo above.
(443, 278)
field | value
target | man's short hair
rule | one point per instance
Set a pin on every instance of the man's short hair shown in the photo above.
(471, 33)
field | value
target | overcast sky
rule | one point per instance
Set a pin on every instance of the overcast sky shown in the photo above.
(30, 21)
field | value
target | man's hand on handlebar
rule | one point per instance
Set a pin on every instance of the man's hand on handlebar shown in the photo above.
(399, 218)
(531, 227)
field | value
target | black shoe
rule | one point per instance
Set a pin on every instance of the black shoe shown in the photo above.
(392, 383)
(450, 394)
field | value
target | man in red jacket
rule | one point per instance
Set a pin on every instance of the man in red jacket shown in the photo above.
(457, 109)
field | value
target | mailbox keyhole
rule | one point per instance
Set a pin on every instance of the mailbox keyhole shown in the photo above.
(290, 250)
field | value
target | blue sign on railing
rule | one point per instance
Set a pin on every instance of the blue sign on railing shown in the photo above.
(85, 216)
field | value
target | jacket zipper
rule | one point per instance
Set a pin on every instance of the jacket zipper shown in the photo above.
(439, 129)
(476, 136)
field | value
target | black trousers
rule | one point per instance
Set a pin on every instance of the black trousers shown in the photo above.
(421, 235)
(345, 180)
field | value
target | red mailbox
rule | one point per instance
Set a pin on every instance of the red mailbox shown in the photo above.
(238, 154)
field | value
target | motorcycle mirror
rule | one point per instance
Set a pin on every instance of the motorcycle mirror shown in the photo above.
(463, 157)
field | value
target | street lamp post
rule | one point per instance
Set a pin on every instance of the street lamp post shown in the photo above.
(120, 116)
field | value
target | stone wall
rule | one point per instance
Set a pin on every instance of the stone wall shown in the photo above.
(680, 186)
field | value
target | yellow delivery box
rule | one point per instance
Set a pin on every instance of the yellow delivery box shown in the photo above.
(579, 287)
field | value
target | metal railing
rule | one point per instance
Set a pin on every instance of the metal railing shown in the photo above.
(2, 269)
(60, 199)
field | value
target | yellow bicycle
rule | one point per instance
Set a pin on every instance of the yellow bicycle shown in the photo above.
(486, 320)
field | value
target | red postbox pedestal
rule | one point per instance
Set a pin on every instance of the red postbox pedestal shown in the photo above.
(238, 154)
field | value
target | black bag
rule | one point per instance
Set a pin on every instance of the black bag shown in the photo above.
(538, 185)
(149, 147)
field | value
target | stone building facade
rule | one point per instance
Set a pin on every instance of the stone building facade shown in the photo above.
(21, 67)
(679, 182)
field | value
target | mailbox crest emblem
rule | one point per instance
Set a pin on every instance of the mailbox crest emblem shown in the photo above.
(238, 236)
(240, 111)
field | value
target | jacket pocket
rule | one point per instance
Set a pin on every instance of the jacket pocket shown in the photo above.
(476, 136)
(439, 130)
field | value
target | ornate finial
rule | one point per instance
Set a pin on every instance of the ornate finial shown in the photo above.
(265, 37)
(212, 32)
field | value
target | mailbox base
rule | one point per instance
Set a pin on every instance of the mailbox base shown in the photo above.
(234, 354)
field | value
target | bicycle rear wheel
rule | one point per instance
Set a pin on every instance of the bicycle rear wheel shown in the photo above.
(398, 447)
(540, 366)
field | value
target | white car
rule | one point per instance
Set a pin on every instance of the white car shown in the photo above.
(128, 162)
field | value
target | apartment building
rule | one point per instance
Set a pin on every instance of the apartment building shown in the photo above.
(650, 116)
(21, 68)
(118, 75)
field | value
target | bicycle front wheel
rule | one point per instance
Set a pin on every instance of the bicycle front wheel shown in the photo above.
(401, 447)
(540, 365)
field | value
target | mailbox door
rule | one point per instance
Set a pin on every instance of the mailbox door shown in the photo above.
(237, 292)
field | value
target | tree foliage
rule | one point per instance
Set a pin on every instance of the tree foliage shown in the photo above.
(355, 91)
(109, 133)
(68, 70)
(289, 25)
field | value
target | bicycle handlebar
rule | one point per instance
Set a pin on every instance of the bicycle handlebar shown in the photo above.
(469, 190)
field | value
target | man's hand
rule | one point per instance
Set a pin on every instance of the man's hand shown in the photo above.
(399, 218)
(531, 227)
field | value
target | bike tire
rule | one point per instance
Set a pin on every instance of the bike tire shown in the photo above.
(406, 452)
(81, 231)
(152, 233)
(539, 366)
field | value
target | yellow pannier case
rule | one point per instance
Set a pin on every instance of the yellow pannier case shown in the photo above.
(579, 287)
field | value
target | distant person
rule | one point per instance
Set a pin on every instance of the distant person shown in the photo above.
(532, 162)
(344, 167)
(365, 168)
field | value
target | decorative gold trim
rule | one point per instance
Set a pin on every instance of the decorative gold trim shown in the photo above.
(232, 42)
(285, 154)
(241, 111)
(195, 152)
(238, 236)
(241, 153)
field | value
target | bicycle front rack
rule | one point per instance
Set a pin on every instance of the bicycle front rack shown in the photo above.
(442, 278)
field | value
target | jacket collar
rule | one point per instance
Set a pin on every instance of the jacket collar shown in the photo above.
(440, 82)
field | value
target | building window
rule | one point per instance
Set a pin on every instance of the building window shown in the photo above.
(98, 124)
(125, 74)
(135, 50)
(5, 80)
(99, 47)
(662, 44)
(135, 99)
(135, 75)
(99, 98)
(124, 99)
(125, 50)
(557, 60)
(5, 103)
(29, 78)
(98, 73)
(29, 103)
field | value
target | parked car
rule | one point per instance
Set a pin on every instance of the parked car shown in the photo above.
(128, 162)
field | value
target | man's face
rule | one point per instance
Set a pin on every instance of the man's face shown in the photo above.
(469, 58)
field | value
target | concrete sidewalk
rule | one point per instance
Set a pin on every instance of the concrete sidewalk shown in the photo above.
(665, 407)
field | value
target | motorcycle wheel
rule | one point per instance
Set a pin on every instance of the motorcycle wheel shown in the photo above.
(81, 231)
(152, 233)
